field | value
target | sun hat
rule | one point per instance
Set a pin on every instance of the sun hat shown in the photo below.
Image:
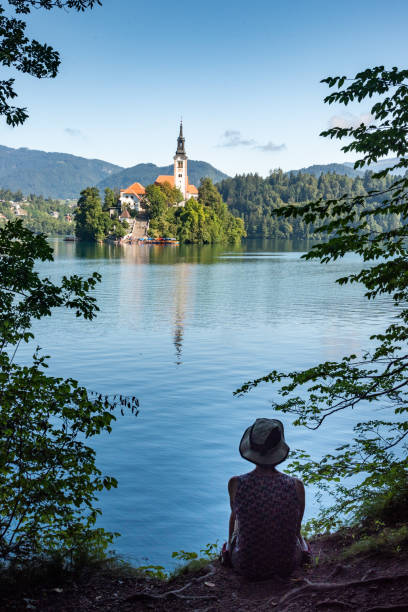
(264, 443)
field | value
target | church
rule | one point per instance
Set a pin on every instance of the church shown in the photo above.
(134, 195)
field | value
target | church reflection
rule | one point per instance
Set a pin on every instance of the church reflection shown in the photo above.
(178, 339)
(180, 307)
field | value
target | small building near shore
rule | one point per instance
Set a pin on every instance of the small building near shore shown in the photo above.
(125, 215)
(133, 196)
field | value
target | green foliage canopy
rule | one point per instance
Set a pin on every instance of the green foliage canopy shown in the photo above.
(376, 457)
(203, 221)
(156, 201)
(111, 199)
(92, 224)
(48, 477)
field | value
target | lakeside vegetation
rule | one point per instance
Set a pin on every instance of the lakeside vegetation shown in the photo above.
(217, 216)
(92, 222)
(203, 221)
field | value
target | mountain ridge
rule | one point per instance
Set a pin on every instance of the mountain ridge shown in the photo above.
(347, 168)
(147, 173)
(51, 174)
(64, 176)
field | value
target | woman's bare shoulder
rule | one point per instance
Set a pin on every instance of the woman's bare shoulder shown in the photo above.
(232, 483)
(300, 489)
(232, 488)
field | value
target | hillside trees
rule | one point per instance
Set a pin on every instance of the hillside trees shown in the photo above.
(31, 57)
(372, 465)
(257, 199)
(38, 218)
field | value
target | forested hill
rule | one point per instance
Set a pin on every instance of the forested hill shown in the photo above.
(254, 198)
(348, 168)
(318, 169)
(59, 175)
(54, 175)
(146, 174)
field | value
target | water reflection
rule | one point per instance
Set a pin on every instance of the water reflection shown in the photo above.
(181, 301)
(169, 255)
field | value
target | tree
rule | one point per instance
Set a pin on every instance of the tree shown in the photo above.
(193, 226)
(210, 196)
(119, 229)
(376, 457)
(48, 477)
(91, 222)
(157, 201)
(111, 199)
(25, 55)
(173, 195)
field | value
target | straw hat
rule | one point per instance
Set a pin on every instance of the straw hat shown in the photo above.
(264, 443)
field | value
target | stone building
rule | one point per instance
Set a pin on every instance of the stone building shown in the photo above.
(134, 196)
(179, 178)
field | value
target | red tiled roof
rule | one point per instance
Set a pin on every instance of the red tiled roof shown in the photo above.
(124, 214)
(192, 189)
(165, 178)
(134, 189)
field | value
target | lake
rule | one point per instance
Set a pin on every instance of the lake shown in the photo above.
(181, 328)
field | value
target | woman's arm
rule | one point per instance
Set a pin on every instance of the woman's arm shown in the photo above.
(232, 489)
(300, 489)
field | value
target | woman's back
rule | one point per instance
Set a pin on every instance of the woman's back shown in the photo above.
(268, 512)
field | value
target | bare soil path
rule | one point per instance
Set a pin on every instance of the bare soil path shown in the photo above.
(367, 583)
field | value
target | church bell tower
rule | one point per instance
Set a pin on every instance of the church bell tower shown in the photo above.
(180, 165)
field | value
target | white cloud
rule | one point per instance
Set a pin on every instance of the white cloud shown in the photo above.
(233, 138)
(348, 120)
(74, 133)
(270, 146)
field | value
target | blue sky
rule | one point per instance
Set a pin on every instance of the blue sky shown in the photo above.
(244, 76)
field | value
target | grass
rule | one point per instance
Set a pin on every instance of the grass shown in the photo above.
(191, 567)
(387, 540)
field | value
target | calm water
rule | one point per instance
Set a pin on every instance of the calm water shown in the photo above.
(182, 328)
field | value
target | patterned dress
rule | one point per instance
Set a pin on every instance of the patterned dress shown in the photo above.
(267, 511)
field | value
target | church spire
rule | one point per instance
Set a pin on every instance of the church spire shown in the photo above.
(180, 141)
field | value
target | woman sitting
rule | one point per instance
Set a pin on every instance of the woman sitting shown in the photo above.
(266, 507)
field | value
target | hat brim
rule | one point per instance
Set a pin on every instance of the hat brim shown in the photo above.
(276, 456)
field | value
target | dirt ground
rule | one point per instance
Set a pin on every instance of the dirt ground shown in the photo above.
(366, 583)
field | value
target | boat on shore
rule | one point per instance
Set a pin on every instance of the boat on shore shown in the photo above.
(163, 241)
(70, 239)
